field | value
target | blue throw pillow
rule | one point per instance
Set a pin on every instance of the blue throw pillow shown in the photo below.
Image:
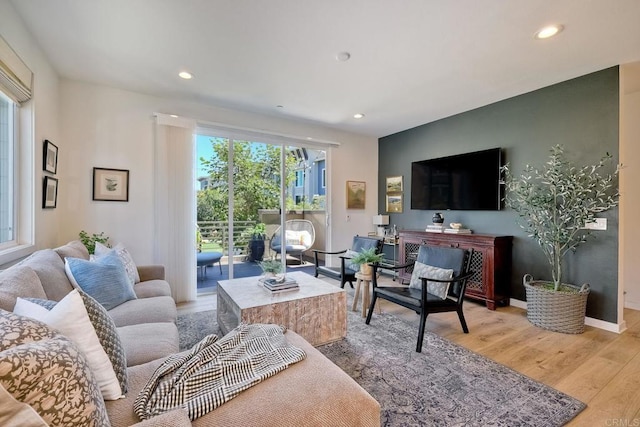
(104, 279)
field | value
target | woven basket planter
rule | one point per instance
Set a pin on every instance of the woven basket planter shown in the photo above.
(366, 269)
(559, 311)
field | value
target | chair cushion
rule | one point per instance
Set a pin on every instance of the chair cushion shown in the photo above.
(435, 288)
(70, 317)
(408, 296)
(104, 279)
(301, 238)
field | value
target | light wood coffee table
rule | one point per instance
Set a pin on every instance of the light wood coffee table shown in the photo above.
(317, 311)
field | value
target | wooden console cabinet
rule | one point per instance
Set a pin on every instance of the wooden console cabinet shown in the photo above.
(491, 261)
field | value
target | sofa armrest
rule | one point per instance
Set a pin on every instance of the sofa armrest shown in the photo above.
(151, 272)
(173, 418)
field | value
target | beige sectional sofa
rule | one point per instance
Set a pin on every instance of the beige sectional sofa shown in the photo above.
(311, 392)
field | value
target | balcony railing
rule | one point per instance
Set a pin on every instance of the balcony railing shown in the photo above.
(215, 236)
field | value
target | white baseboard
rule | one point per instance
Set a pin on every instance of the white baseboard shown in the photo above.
(589, 321)
(633, 305)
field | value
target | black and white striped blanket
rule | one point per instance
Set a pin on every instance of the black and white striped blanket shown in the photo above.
(217, 370)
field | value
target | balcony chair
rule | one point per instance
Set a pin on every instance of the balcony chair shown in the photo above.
(346, 271)
(299, 236)
(438, 282)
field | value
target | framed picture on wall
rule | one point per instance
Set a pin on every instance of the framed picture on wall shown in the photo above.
(111, 184)
(394, 203)
(49, 193)
(356, 194)
(394, 184)
(50, 157)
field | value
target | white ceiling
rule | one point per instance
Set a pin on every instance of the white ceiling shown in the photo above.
(412, 61)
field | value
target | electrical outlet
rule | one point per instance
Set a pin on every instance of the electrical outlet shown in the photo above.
(598, 224)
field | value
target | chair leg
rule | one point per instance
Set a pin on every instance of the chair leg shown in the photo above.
(373, 303)
(423, 321)
(343, 282)
(462, 321)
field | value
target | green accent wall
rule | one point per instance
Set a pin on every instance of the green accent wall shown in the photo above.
(582, 114)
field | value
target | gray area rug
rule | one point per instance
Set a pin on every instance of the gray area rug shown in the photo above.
(445, 385)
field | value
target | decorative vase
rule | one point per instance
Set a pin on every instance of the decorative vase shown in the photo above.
(437, 219)
(256, 248)
(559, 311)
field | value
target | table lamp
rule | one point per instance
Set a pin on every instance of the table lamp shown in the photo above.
(381, 221)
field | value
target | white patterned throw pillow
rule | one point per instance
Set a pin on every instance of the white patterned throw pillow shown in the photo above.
(347, 262)
(125, 257)
(435, 288)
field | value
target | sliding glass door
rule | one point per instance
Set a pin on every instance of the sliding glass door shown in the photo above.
(243, 187)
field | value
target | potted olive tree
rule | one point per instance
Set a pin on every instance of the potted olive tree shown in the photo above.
(366, 257)
(554, 203)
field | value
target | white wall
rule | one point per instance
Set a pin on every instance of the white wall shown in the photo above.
(45, 108)
(106, 127)
(629, 270)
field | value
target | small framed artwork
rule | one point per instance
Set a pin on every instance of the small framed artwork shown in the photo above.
(49, 193)
(50, 157)
(356, 194)
(111, 184)
(394, 184)
(394, 203)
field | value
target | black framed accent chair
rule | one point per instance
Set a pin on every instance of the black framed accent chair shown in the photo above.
(437, 285)
(346, 271)
(299, 235)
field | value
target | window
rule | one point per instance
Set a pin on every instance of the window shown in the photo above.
(324, 178)
(299, 178)
(17, 175)
(7, 171)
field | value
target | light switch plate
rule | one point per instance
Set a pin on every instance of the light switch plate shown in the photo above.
(598, 224)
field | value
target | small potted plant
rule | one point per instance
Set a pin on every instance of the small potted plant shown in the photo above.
(366, 257)
(271, 267)
(554, 203)
(89, 241)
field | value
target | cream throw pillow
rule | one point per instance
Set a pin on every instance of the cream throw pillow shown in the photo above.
(435, 288)
(70, 317)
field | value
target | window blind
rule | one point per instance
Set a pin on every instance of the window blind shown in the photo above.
(16, 79)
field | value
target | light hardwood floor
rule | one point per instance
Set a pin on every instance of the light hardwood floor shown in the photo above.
(600, 368)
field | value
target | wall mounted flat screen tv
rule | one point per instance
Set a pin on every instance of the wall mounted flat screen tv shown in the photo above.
(468, 181)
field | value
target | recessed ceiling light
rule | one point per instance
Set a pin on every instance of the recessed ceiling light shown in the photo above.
(358, 116)
(343, 56)
(185, 75)
(173, 115)
(548, 31)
